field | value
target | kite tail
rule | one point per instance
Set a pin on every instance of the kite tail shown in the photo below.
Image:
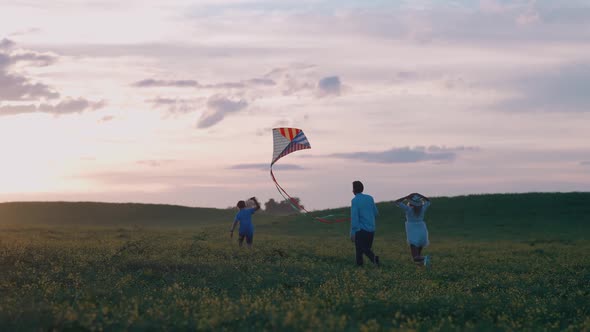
(299, 207)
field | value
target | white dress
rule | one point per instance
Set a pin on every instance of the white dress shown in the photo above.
(416, 231)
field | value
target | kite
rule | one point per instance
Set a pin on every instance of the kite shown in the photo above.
(286, 141)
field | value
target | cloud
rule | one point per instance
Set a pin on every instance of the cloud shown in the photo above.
(163, 101)
(254, 82)
(492, 22)
(585, 163)
(562, 89)
(66, 106)
(406, 155)
(292, 85)
(294, 79)
(17, 109)
(494, 6)
(17, 87)
(302, 79)
(6, 44)
(217, 108)
(329, 86)
(265, 167)
(280, 81)
(10, 57)
(177, 50)
(225, 85)
(405, 75)
(70, 105)
(35, 58)
(149, 83)
(174, 105)
(261, 81)
(528, 18)
(25, 32)
(106, 118)
(155, 163)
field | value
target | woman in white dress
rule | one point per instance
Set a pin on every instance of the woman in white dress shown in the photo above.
(415, 206)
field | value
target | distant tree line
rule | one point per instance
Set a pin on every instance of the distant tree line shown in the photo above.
(282, 207)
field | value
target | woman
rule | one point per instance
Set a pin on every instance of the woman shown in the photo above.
(415, 206)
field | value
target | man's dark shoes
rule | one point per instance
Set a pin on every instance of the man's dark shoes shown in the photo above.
(377, 261)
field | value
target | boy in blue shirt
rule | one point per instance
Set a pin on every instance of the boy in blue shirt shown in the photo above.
(244, 217)
(362, 223)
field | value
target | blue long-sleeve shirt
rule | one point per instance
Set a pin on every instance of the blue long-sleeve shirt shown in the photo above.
(362, 213)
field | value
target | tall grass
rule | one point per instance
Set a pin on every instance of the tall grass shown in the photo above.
(495, 268)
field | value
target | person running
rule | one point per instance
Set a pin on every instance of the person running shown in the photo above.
(362, 223)
(244, 218)
(415, 206)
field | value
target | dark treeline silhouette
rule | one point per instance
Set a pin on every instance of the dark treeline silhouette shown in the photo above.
(464, 216)
(281, 208)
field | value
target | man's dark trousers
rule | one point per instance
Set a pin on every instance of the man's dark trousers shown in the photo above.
(363, 241)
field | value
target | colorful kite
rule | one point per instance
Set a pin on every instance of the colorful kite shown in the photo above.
(288, 140)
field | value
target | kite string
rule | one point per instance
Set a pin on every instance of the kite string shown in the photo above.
(296, 205)
(300, 208)
(287, 199)
(293, 201)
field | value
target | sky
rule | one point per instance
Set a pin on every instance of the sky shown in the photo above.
(174, 102)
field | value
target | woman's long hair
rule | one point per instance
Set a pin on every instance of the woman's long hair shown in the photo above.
(417, 209)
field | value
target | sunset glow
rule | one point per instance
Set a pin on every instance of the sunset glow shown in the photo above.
(140, 101)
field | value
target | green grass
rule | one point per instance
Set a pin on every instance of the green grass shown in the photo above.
(108, 214)
(501, 262)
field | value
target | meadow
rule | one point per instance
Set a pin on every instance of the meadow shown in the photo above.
(500, 263)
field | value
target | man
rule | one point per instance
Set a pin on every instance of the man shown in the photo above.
(244, 217)
(362, 223)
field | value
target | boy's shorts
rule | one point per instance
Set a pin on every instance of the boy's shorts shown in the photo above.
(248, 235)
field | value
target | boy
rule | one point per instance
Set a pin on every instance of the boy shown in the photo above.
(244, 217)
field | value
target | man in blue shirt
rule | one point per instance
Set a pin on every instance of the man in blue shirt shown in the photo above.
(362, 223)
(244, 217)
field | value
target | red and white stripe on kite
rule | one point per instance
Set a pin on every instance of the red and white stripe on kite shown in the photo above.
(292, 148)
(289, 133)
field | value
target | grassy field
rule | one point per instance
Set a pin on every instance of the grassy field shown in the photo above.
(501, 262)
